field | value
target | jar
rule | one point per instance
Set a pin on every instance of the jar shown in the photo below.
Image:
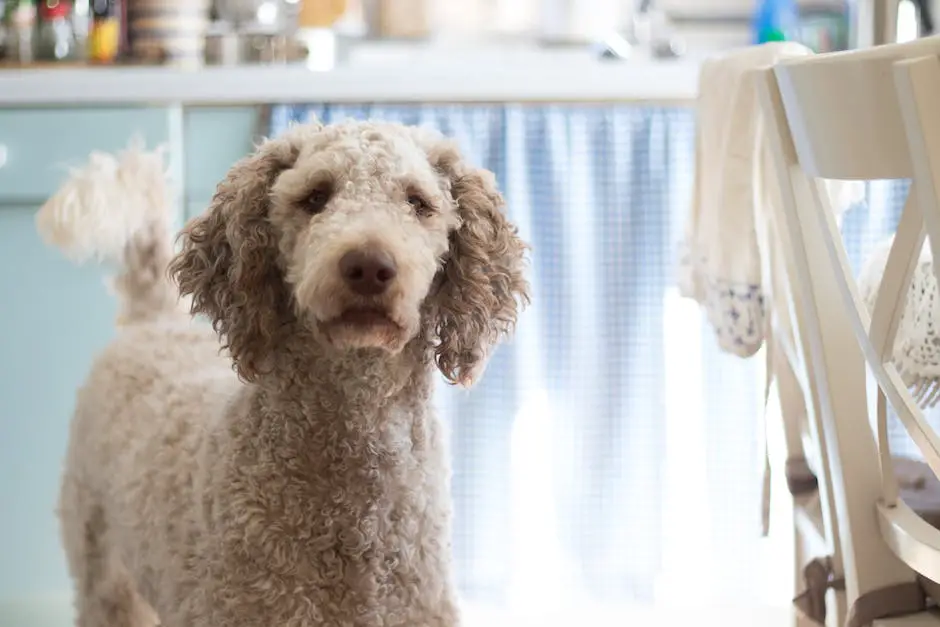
(19, 16)
(168, 31)
(398, 19)
(3, 30)
(320, 13)
(55, 36)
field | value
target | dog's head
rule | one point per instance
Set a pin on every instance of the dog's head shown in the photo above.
(367, 235)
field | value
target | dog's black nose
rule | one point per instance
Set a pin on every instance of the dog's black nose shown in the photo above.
(368, 273)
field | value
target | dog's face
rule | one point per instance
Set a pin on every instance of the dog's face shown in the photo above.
(365, 234)
(363, 222)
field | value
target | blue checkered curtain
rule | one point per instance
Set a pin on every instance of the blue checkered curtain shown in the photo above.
(610, 455)
(868, 223)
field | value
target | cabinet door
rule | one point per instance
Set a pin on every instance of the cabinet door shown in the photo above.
(54, 317)
(40, 145)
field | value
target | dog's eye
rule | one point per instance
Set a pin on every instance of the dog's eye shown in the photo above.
(317, 199)
(421, 206)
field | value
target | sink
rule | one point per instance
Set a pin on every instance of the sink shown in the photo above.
(514, 53)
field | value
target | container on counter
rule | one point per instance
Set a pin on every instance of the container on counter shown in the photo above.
(226, 47)
(3, 31)
(168, 31)
(316, 32)
(55, 33)
(825, 27)
(81, 22)
(573, 22)
(398, 19)
(19, 20)
(776, 20)
(104, 33)
(320, 13)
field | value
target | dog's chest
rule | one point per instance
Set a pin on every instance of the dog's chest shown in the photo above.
(360, 523)
(371, 495)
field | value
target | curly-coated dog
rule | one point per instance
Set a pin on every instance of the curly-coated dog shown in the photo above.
(337, 264)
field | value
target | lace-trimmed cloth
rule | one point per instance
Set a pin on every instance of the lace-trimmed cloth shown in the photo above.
(730, 259)
(917, 347)
(736, 189)
(720, 259)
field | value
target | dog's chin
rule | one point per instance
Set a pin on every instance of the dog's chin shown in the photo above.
(358, 328)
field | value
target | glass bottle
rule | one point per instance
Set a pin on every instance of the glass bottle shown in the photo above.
(3, 30)
(776, 20)
(19, 16)
(55, 35)
(104, 37)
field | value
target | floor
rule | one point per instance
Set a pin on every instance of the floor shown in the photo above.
(56, 612)
(723, 616)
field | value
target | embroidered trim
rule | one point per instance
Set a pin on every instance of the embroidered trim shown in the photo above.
(735, 309)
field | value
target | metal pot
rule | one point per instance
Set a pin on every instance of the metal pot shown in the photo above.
(232, 48)
(265, 13)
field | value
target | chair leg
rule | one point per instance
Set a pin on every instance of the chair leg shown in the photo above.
(800, 558)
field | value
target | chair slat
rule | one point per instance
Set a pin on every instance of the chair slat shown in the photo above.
(896, 280)
(918, 88)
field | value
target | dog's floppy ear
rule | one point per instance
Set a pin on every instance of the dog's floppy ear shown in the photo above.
(482, 285)
(228, 261)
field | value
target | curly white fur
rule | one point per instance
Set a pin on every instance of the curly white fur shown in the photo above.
(103, 204)
(309, 487)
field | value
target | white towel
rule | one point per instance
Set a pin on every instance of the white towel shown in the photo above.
(730, 259)
(720, 262)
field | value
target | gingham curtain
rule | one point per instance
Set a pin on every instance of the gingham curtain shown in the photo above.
(611, 451)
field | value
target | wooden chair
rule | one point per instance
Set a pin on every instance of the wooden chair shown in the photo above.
(862, 115)
(817, 550)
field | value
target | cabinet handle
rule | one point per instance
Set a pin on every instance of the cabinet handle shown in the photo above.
(3, 155)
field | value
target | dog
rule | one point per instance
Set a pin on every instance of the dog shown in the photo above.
(283, 468)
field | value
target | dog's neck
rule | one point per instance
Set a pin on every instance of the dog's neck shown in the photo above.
(377, 404)
(318, 380)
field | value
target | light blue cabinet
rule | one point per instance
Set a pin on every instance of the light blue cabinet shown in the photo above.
(214, 139)
(41, 144)
(55, 316)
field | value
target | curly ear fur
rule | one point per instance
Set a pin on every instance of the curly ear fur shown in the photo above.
(483, 281)
(228, 261)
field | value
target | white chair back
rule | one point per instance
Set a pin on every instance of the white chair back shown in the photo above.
(818, 552)
(861, 115)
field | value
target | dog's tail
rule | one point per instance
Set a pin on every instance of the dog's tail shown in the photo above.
(117, 209)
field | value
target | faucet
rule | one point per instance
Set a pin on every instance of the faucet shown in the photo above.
(650, 28)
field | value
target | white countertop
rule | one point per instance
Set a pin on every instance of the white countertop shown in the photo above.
(470, 76)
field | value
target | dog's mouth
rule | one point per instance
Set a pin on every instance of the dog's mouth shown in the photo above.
(363, 327)
(365, 317)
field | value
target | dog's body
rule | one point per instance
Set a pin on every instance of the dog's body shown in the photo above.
(309, 487)
(236, 505)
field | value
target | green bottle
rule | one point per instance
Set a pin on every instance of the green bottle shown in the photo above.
(776, 20)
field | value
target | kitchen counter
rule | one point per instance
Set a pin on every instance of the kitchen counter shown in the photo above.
(563, 78)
